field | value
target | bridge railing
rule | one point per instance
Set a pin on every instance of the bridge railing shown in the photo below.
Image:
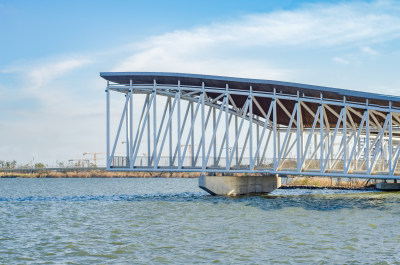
(120, 162)
(286, 164)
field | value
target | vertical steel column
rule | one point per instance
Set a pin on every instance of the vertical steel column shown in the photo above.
(299, 140)
(236, 133)
(258, 141)
(179, 124)
(390, 137)
(274, 122)
(227, 127)
(203, 132)
(215, 138)
(127, 131)
(344, 134)
(321, 132)
(278, 139)
(131, 124)
(108, 164)
(330, 142)
(154, 123)
(301, 132)
(251, 164)
(148, 132)
(191, 146)
(327, 134)
(367, 139)
(358, 152)
(170, 133)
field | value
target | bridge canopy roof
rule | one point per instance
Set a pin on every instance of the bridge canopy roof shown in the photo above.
(245, 83)
(329, 94)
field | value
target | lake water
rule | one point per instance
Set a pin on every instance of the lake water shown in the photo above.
(146, 221)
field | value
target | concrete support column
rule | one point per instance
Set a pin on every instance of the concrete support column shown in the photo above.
(388, 186)
(235, 185)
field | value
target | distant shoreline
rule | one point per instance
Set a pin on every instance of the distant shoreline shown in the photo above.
(96, 174)
(290, 183)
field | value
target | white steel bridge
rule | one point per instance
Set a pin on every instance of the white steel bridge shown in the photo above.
(199, 123)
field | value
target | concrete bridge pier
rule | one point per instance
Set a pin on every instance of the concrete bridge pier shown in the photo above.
(386, 186)
(239, 185)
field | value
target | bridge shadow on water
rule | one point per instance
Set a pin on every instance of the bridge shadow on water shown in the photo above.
(318, 200)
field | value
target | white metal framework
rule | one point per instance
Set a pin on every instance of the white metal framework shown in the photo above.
(208, 128)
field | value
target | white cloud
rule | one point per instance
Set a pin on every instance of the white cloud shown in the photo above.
(37, 78)
(340, 60)
(368, 50)
(41, 75)
(216, 48)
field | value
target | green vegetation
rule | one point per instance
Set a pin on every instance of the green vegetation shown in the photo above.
(39, 165)
(8, 164)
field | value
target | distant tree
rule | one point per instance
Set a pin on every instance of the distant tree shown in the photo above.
(8, 164)
(39, 165)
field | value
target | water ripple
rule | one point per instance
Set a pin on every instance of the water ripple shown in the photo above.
(146, 221)
(326, 200)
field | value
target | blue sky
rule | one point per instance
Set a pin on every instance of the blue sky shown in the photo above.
(52, 99)
(54, 27)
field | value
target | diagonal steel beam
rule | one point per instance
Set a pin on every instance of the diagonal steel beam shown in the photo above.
(333, 140)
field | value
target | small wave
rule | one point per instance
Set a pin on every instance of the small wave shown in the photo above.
(320, 201)
(185, 196)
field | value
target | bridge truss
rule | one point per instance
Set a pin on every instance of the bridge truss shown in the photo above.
(227, 129)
